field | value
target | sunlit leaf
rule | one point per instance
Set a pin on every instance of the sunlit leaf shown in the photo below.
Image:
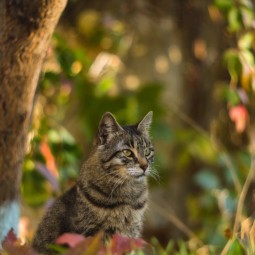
(104, 85)
(247, 57)
(246, 40)
(247, 235)
(66, 137)
(248, 14)
(246, 78)
(54, 136)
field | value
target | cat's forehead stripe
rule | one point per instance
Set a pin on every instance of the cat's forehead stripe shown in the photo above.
(129, 143)
(132, 143)
(137, 142)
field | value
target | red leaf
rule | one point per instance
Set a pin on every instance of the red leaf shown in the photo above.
(49, 158)
(120, 244)
(88, 246)
(12, 245)
(240, 116)
(11, 238)
(69, 238)
(93, 245)
(19, 250)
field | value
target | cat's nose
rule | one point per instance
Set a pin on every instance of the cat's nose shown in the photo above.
(144, 166)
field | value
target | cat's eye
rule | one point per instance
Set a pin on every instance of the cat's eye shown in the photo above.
(127, 153)
(147, 152)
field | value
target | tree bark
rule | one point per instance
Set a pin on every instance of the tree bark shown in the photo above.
(26, 29)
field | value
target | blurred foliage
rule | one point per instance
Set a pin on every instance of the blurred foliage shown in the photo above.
(81, 80)
(70, 243)
(72, 95)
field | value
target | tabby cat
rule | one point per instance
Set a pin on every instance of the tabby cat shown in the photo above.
(110, 194)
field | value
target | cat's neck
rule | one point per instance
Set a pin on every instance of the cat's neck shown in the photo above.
(108, 186)
(111, 184)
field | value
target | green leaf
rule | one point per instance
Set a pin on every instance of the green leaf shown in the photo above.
(54, 136)
(200, 147)
(234, 19)
(233, 97)
(232, 60)
(104, 85)
(33, 188)
(183, 248)
(65, 58)
(236, 248)
(170, 247)
(224, 4)
(66, 136)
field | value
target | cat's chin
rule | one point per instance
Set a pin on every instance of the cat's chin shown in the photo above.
(138, 176)
(138, 180)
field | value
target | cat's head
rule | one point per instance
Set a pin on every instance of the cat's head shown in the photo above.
(126, 151)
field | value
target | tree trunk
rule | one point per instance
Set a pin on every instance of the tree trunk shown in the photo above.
(26, 28)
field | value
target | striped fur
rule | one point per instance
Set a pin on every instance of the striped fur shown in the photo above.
(111, 191)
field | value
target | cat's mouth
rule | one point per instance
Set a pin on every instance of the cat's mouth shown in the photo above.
(137, 173)
(140, 176)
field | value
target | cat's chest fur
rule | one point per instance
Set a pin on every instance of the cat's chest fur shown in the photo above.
(121, 212)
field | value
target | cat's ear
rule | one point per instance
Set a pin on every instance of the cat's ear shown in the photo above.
(108, 127)
(144, 125)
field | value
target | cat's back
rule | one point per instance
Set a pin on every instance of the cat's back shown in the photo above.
(56, 221)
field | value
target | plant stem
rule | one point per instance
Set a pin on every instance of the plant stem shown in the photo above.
(240, 203)
(243, 194)
(179, 224)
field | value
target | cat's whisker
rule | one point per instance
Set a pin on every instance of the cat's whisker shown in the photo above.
(155, 175)
(113, 189)
(154, 171)
(117, 184)
(107, 174)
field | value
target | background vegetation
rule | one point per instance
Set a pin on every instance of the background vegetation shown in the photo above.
(192, 63)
